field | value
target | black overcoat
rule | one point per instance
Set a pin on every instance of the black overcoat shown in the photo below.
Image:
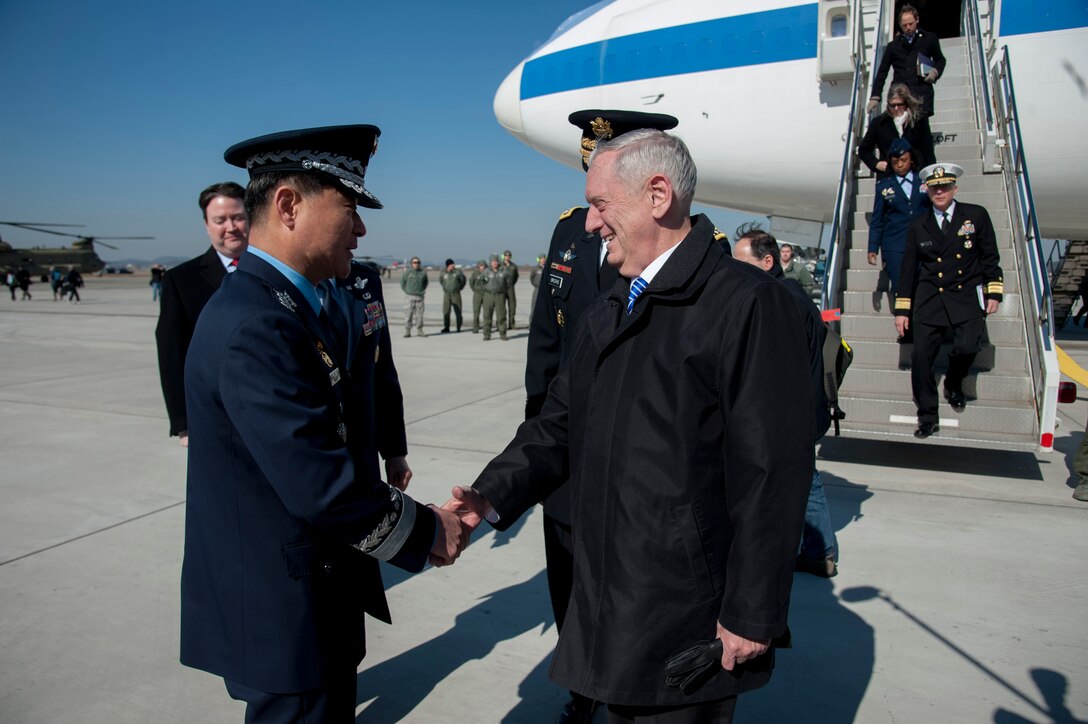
(901, 57)
(948, 275)
(282, 496)
(687, 430)
(185, 290)
(882, 133)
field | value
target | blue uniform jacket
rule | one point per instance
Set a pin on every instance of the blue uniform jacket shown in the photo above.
(892, 214)
(286, 517)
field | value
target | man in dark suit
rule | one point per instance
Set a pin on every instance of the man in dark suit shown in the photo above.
(901, 54)
(574, 275)
(688, 481)
(899, 200)
(951, 279)
(187, 288)
(286, 513)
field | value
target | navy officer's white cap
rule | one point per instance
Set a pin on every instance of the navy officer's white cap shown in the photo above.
(339, 153)
(939, 174)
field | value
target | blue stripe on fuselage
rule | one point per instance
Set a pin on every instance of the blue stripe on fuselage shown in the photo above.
(772, 36)
(1019, 17)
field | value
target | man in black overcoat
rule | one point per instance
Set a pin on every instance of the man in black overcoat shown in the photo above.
(575, 273)
(187, 288)
(688, 479)
(286, 513)
(901, 55)
(951, 280)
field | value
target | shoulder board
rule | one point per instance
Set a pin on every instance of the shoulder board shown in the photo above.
(719, 234)
(566, 214)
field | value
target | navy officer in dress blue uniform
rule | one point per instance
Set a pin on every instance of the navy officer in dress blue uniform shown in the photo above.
(286, 513)
(951, 279)
(900, 198)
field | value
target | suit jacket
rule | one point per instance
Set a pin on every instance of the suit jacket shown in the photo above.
(947, 275)
(286, 517)
(903, 58)
(359, 316)
(893, 212)
(185, 290)
(687, 432)
(882, 133)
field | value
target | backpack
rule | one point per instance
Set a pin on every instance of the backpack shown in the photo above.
(837, 358)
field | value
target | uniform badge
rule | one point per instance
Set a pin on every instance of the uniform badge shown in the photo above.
(334, 376)
(375, 318)
(569, 254)
(560, 267)
(967, 244)
(324, 355)
(285, 299)
(560, 318)
(342, 431)
(555, 281)
(376, 352)
(967, 228)
(886, 193)
(360, 283)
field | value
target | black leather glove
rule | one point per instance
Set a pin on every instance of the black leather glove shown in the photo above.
(693, 667)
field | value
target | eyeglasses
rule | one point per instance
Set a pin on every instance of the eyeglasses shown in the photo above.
(415, 261)
(897, 105)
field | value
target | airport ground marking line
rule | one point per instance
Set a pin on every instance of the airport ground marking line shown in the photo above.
(93, 532)
(460, 407)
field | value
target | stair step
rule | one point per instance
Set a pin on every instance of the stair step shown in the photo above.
(947, 437)
(1001, 331)
(895, 383)
(892, 355)
(980, 417)
(867, 278)
(859, 257)
(873, 302)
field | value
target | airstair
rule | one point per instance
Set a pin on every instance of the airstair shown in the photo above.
(1012, 389)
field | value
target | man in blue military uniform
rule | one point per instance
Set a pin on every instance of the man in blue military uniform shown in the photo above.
(286, 513)
(951, 280)
(900, 199)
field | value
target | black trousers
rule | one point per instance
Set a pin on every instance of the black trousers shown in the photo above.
(710, 712)
(559, 554)
(966, 343)
(334, 704)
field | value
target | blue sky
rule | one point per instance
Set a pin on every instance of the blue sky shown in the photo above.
(116, 114)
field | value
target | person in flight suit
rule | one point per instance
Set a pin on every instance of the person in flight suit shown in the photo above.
(495, 281)
(286, 514)
(452, 281)
(900, 199)
(951, 279)
(511, 270)
(478, 283)
(574, 274)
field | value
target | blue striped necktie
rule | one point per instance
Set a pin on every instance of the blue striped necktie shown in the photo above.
(638, 286)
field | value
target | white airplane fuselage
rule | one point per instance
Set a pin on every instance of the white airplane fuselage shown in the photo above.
(766, 132)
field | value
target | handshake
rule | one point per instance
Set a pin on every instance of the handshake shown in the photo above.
(457, 518)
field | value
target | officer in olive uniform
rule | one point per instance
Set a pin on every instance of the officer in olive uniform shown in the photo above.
(452, 281)
(511, 271)
(574, 274)
(495, 283)
(477, 283)
(951, 279)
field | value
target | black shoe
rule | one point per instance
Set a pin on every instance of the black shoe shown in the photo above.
(446, 330)
(957, 400)
(574, 714)
(822, 567)
(925, 429)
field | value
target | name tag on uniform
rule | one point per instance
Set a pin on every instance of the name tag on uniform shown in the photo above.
(556, 281)
(927, 242)
(334, 376)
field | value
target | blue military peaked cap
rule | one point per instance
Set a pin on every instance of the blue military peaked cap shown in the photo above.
(898, 148)
(339, 153)
(599, 125)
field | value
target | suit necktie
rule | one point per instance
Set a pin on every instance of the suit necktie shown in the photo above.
(232, 265)
(637, 287)
(944, 222)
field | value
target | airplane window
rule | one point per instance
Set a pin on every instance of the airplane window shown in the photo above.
(703, 49)
(755, 41)
(655, 56)
(838, 26)
(589, 70)
(568, 72)
(611, 65)
(678, 52)
(782, 37)
(632, 60)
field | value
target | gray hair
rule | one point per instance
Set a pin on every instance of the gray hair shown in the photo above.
(644, 152)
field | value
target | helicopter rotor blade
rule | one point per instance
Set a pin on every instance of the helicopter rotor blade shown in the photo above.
(108, 246)
(120, 237)
(37, 223)
(28, 227)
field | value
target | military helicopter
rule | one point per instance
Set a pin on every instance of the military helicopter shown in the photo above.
(41, 260)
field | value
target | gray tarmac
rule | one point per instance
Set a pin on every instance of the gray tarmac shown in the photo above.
(961, 597)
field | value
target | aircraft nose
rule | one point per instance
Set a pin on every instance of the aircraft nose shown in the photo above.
(508, 103)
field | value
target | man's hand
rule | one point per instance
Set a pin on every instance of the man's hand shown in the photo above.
(183, 436)
(452, 537)
(902, 324)
(872, 104)
(882, 166)
(931, 76)
(737, 649)
(872, 258)
(991, 306)
(398, 473)
(469, 505)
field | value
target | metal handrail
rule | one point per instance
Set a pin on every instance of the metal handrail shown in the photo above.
(980, 83)
(833, 272)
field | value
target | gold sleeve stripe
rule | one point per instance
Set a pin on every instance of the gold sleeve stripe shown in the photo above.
(995, 288)
(566, 214)
(902, 303)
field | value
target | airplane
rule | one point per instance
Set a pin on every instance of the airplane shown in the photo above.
(770, 96)
(762, 91)
(39, 261)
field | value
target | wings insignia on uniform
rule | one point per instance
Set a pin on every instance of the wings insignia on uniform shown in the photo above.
(285, 299)
(393, 530)
(566, 214)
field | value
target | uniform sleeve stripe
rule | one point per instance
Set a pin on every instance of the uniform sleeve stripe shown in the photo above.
(902, 302)
(383, 543)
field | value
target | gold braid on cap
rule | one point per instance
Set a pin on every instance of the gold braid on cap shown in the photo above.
(602, 130)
